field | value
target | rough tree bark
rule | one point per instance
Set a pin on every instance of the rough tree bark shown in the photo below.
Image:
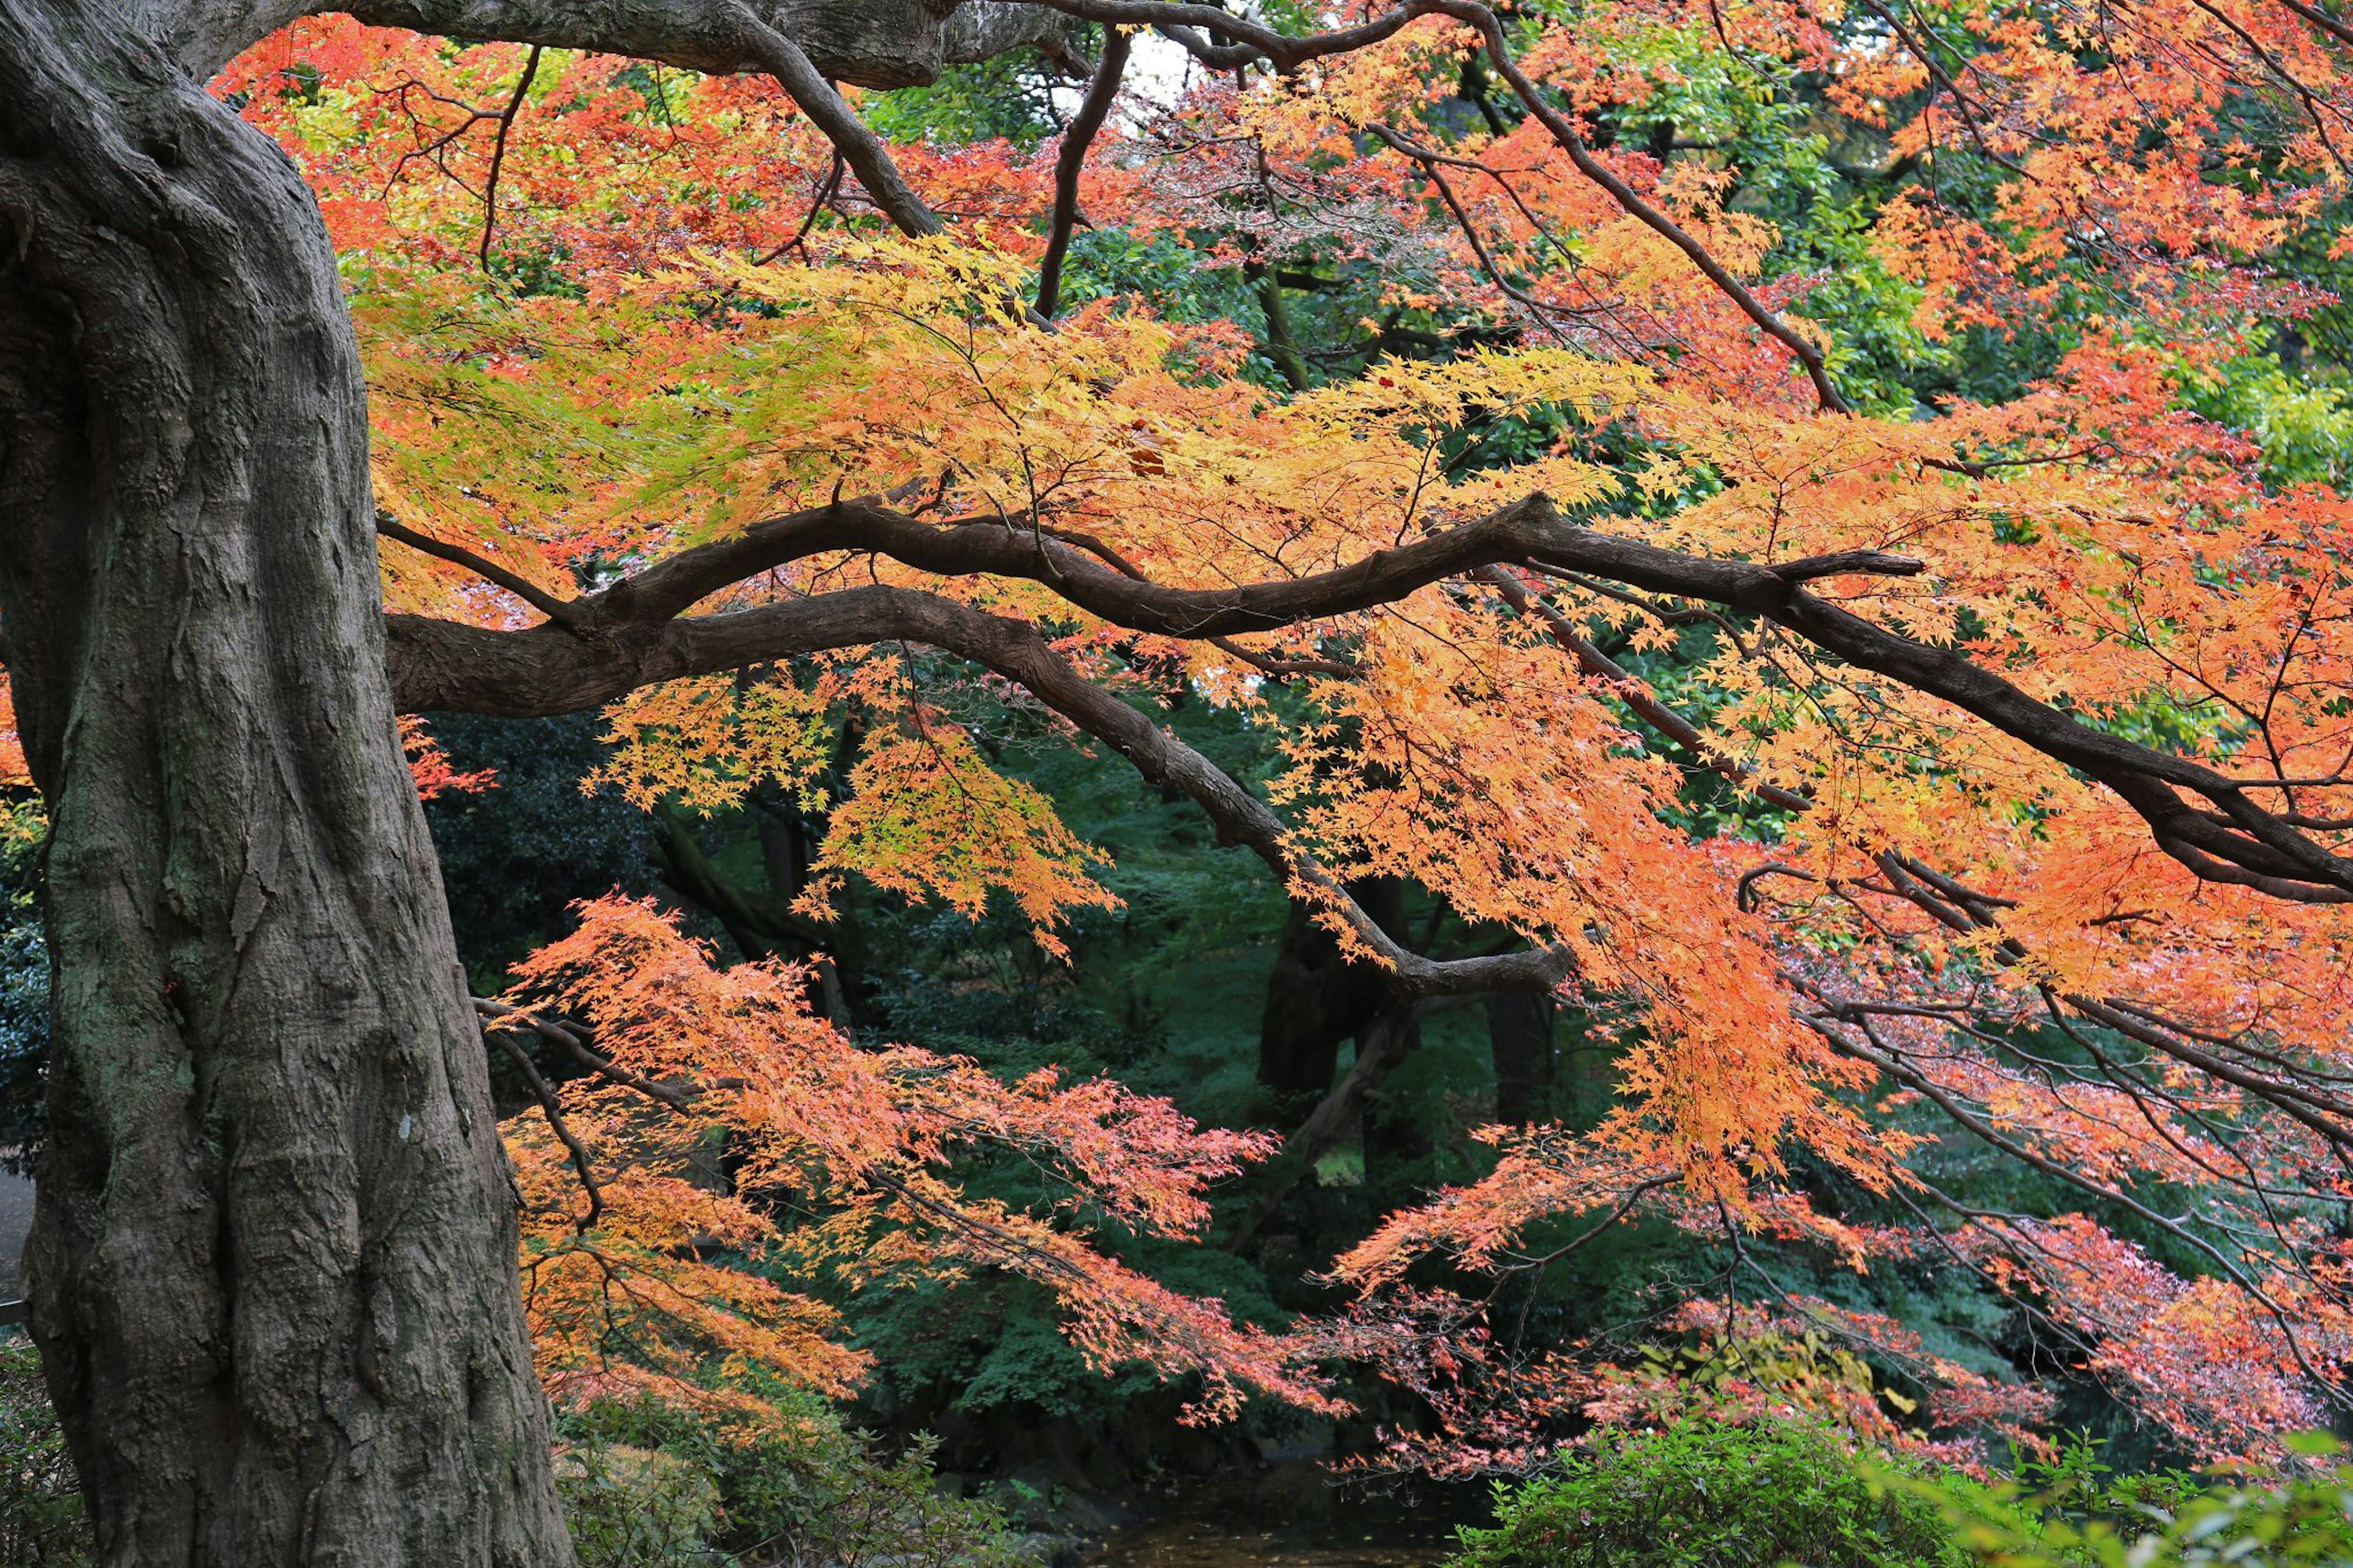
(273, 1266)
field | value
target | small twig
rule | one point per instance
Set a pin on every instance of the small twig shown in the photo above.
(1633, 692)
(1618, 1211)
(562, 612)
(675, 1096)
(827, 188)
(554, 1110)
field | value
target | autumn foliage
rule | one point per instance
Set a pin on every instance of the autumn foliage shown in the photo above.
(2083, 902)
(698, 1063)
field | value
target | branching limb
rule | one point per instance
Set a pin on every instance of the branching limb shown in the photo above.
(499, 153)
(1632, 692)
(553, 1110)
(561, 612)
(1910, 1077)
(827, 189)
(1070, 161)
(636, 641)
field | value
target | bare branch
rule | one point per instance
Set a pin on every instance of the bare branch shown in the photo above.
(562, 612)
(553, 1110)
(1071, 159)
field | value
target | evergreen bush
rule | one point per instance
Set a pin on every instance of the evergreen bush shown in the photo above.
(1706, 1494)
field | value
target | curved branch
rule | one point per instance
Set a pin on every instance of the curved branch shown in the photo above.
(561, 610)
(634, 640)
(1071, 159)
(858, 146)
(440, 664)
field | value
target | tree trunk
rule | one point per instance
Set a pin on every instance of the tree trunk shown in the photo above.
(1519, 1036)
(273, 1267)
(1316, 997)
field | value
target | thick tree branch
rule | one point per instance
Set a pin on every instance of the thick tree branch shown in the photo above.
(858, 146)
(869, 43)
(1382, 1044)
(633, 639)
(1071, 159)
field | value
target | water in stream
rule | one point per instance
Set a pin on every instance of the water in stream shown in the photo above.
(1291, 1515)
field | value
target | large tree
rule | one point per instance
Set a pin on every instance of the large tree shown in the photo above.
(274, 1266)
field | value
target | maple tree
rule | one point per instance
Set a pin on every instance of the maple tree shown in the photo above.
(857, 1132)
(676, 392)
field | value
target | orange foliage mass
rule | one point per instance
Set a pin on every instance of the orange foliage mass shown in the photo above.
(865, 1139)
(1936, 889)
(13, 770)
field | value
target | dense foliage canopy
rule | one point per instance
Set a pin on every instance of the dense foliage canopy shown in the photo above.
(1810, 537)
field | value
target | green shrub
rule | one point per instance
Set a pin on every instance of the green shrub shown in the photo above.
(799, 1489)
(42, 1522)
(1701, 1494)
(2073, 1514)
(637, 1508)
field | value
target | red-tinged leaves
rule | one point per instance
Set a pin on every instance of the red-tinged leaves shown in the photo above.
(865, 1139)
(13, 773)
(429, 765)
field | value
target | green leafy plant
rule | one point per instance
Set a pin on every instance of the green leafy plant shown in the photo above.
(2070, 1512)
(1702, 1494)
(790, 1488)
(41, 1520)
(637, 1508)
